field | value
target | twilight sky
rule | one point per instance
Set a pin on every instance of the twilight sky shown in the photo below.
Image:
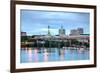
(36, 22)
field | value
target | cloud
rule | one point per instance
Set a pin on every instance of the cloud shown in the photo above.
(36, 22)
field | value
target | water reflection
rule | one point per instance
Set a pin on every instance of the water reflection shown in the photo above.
(35, 55)
(61, 53)
(52, 54)
(46, 54)
(30, 54)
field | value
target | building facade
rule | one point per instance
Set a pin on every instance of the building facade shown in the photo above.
(61, 31)
(23, 34)
(77, 31)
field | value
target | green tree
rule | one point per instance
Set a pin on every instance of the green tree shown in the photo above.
(24, 38)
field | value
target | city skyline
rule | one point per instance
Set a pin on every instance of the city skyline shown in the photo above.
(35, 22)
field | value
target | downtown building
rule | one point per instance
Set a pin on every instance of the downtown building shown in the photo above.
(75, 35)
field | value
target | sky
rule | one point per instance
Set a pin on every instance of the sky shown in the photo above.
(36, 22)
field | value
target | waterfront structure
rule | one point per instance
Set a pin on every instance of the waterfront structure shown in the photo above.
(61, 40)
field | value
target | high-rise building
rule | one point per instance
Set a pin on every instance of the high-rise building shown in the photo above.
(77, 31)
(61, 31)
(73, 32)
(23, 34)
(49, 31)
(80, 30)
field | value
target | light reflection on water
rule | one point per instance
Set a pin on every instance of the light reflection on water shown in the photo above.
(52, 54)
